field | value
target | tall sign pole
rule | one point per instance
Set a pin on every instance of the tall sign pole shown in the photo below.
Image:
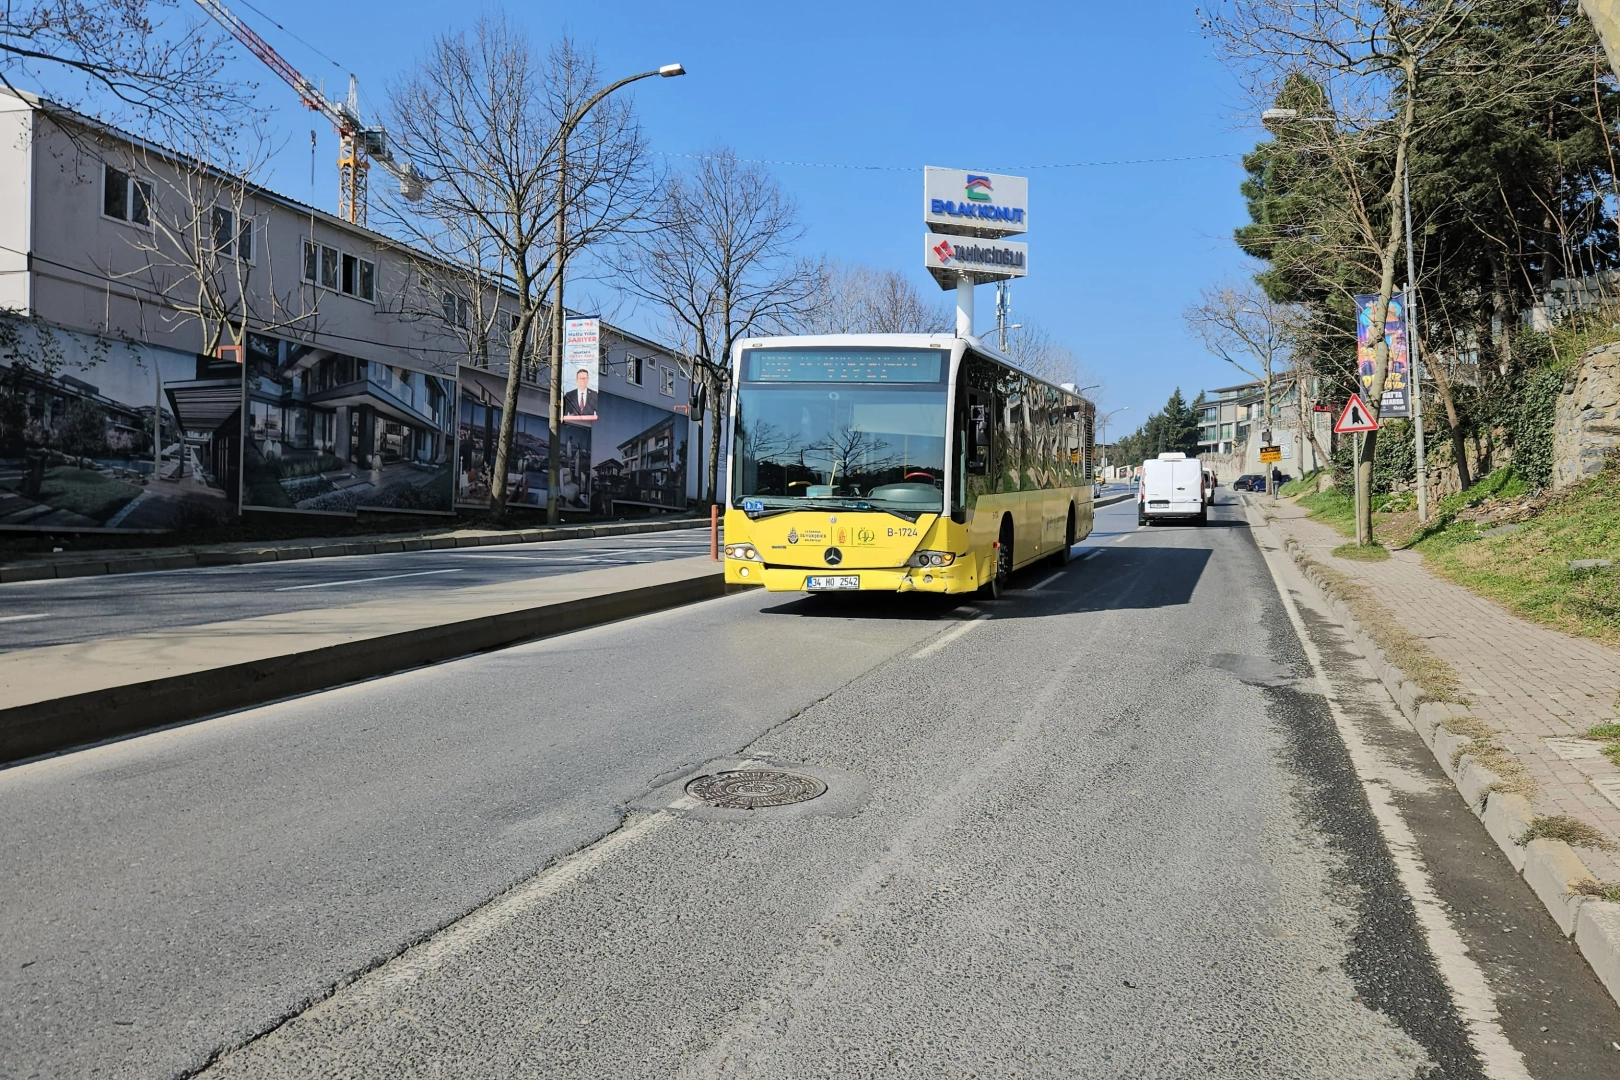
(969, 215)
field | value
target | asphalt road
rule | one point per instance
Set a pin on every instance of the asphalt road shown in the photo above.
(1123, 823)
(59, 611)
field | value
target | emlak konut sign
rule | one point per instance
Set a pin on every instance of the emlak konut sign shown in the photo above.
(950, 258)
(975, 203)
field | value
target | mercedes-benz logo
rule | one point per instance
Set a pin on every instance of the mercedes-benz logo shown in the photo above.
(834, 556)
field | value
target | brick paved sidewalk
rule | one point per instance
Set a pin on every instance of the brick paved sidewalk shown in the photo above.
(1536, 684)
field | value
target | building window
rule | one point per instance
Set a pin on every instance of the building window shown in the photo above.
(632, 370)
(349, 274)
(232, 237)
(603, 364)
(125, 198)
(455, 310)
(329, 267)
(310, 261)
(224, 231)
(368, 281)
(669, 383)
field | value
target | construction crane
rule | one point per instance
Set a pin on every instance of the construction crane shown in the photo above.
(359, 143)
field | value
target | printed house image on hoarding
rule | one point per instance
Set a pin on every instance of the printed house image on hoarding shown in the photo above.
(481, 397)
(649, 471)
(334, 433)
(79, 445)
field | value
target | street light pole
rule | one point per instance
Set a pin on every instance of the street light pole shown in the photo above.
(554, 462)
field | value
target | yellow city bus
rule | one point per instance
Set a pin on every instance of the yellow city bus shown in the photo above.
(899, 463)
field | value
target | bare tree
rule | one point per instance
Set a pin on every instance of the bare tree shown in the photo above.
(205, 256)
(136, 61)
(1041, 354)
(1364, 58)
(854, 299)
(483, 117)
(1246, 328)
(721, 268)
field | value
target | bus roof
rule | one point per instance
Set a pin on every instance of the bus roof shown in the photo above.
(894, 341)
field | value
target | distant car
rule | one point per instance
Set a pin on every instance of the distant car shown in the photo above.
(1249, 482)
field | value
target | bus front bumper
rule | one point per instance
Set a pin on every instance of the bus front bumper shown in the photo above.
(960, 577)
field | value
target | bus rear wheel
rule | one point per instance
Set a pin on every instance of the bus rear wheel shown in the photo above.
(1066, 552)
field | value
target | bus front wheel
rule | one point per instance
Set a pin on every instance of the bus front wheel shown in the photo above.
(997, 584)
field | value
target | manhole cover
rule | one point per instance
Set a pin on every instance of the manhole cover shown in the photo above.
(750, 789)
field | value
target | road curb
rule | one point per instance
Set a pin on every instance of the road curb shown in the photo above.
(1553, 869)
(190, 560)
(59, 724)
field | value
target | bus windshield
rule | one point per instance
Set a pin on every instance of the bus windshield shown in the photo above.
(842, 427)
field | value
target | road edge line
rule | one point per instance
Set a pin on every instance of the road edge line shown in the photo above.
(1548, 867)
(1471, 989)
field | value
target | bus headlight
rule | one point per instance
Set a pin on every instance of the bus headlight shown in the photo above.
(743, 551)
(931, 558)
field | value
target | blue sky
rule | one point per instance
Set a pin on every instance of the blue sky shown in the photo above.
(1116, 251)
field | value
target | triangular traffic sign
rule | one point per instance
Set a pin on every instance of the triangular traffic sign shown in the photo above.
(1356, 417)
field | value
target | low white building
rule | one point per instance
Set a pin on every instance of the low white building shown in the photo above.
(243, 349)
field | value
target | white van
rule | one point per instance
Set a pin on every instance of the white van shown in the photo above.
(1172, 486)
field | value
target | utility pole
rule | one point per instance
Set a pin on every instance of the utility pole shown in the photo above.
(554, 462)
(1414, 360)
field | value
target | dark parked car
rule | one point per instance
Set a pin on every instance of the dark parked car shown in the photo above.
(1249, 482)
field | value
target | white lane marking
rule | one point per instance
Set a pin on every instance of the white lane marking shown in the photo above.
(1469, 987)
(950, 636)
(1092, 554)
(24, 618)
(485, 922)
(1121, 538)
(365, 580)
(1044, 583)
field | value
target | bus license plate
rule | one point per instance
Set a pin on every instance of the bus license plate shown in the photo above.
(814, 583)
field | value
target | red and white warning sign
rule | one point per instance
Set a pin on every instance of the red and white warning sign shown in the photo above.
(1356, 417)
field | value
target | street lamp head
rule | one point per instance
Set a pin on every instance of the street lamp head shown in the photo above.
(1277, 116)
(669, 71)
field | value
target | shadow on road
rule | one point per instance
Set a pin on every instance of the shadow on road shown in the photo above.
(1128, 578)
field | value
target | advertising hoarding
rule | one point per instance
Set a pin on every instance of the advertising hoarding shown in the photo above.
(329, 433)
(950, 258)
(965, 203)
(1397, 399)
(104, 434)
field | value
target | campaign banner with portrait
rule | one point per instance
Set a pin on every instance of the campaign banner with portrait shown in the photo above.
(582, 358)
(1397, 400)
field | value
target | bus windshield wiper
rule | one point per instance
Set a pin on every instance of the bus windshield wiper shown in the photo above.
(863, 504)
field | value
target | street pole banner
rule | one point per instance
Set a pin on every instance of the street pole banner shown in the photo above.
(1396, 403)
(582, 357)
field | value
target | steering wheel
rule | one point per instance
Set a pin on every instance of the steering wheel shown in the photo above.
(919, 476)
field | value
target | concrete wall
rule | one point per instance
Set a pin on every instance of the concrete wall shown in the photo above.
(16, 203)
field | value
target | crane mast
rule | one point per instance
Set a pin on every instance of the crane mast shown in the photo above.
(358, 144)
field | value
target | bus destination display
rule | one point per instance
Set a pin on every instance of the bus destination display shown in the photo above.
(844, 365)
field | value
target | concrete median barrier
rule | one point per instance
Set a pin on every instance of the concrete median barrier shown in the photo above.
(59, 697)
